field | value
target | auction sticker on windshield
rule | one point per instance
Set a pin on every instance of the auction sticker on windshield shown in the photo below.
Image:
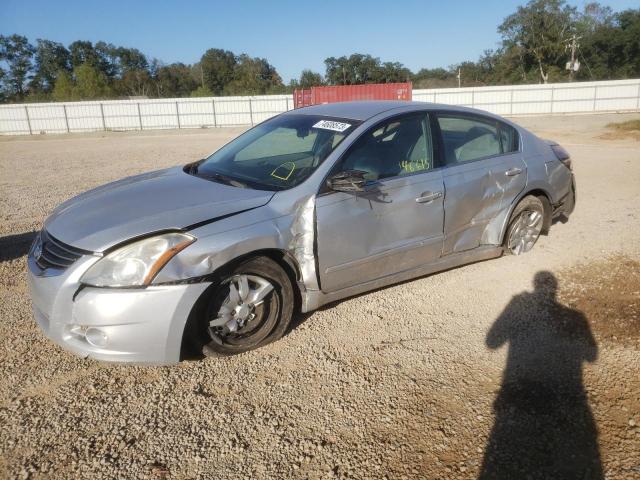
(331, 125)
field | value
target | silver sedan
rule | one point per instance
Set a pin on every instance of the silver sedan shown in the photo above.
(309, 207)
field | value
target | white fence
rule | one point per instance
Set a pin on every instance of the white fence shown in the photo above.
(550, 99)
(116, 115)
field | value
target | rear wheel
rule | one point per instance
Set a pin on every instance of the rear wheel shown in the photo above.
(251, 306)
(525, 225)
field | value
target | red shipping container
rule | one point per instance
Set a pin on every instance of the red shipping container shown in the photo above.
(349, 93)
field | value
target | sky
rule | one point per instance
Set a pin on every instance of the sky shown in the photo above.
(291, 35)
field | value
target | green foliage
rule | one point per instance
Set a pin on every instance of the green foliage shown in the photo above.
(63, 89)
(135, 83)
(50, 58)
(84, 53)
(253, 76)
(359, 68)
(131, 59)
(175, 80)
(90, 83)
(309, 79)
(613, 49)
(217, 68)
(17, 52)
(539, 31)
(202, 92)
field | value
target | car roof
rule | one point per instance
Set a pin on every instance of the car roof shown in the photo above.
(366, 109)
(359, 110)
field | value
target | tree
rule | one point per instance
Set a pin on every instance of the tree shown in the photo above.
(173, 80)
(358, 68)
(106, 55)
(217, 69)
(17, 52)
(202, 92)
(393, 72)
(253, 76)
(434, 78)
(135, 83)
(541, 29)
(131, 59)
(3, 96)
(101, 57)
(309, 79)
(63, 89)
(82, 52)
(613, 49)
(50, 59)
(90, 84)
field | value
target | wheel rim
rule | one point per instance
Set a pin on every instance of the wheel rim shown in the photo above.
(525, 231)
(242, 310)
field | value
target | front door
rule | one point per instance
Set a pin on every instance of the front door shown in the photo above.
(396, 223)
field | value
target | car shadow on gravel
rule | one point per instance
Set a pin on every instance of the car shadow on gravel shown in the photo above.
(543, 426)
(15, 246)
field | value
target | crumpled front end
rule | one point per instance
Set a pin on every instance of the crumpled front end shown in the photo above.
(139, 325)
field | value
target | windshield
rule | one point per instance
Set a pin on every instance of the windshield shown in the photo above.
(277, 154)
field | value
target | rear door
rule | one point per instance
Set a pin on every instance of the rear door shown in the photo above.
(483, 174)
(396, 224)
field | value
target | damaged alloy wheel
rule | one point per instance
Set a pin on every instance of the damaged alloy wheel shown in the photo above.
(525, 225)
(252, 306)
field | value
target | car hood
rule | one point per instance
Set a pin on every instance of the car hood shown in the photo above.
(143, 204)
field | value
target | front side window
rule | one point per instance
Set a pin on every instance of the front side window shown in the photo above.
(277, 154)
(398, 147)
(467, 139)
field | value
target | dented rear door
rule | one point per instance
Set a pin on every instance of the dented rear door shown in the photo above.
(475, 193)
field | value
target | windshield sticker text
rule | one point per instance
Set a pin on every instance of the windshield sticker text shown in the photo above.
(331, 125)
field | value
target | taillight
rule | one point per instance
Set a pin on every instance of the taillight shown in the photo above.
(562, 155)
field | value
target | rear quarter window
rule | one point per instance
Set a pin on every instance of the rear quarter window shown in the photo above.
(509, 138)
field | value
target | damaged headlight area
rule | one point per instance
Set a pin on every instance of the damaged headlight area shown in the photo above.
(136, 264)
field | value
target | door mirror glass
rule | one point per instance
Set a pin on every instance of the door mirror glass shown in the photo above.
(348, 181)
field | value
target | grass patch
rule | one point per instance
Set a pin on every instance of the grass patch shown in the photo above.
(628, 126)
(623, 130)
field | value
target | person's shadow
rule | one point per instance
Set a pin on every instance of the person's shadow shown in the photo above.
(543, 423)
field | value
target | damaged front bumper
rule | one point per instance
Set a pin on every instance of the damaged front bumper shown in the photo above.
(133, 325)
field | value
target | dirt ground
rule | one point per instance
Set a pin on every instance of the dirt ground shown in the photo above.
(516, 368)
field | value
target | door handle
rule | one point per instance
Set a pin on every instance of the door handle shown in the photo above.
(513, 172)
(428, 197)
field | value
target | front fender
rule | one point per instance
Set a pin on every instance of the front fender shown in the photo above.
(292, 233)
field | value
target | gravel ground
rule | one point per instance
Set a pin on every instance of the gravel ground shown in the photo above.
(520, 367)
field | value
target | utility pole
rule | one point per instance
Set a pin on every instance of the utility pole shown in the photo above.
(573, 65)
(459, 77)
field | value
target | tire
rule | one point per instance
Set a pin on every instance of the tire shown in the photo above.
(257, 323)
(525, 225)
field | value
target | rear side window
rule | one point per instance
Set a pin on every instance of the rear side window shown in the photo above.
(467, 139)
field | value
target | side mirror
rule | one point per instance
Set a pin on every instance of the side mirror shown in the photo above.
(348, 181)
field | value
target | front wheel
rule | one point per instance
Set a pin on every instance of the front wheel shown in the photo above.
(525, 225)
(251, 306)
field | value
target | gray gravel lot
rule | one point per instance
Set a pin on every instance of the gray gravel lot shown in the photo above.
(447, 376)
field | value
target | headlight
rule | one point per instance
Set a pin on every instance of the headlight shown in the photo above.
(136, 264)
